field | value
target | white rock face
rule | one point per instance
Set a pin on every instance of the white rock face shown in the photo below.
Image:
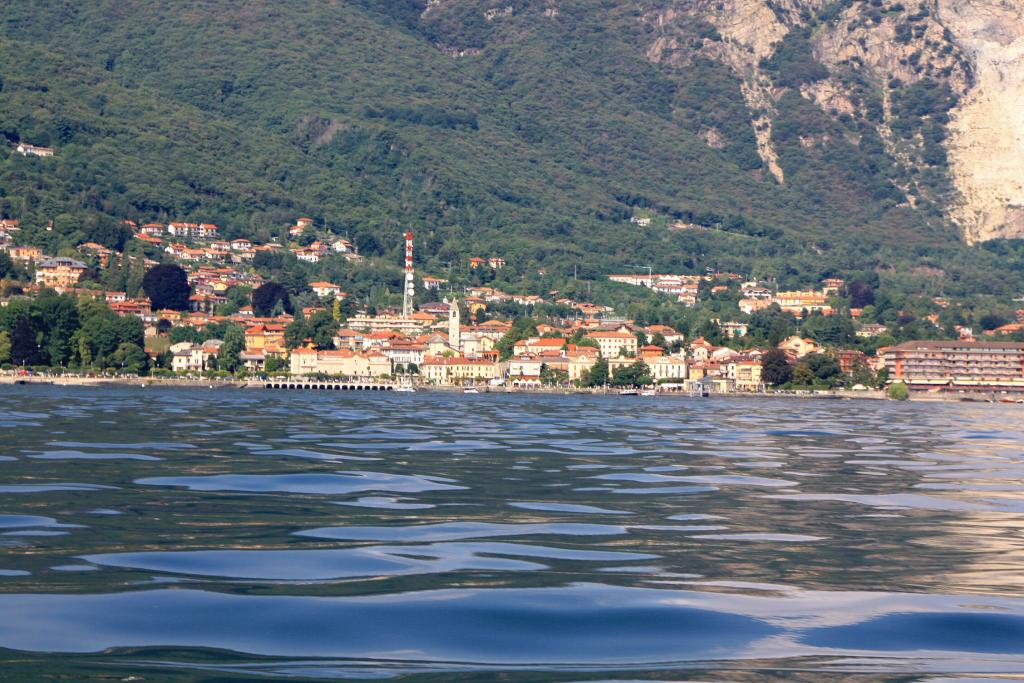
(986, 146)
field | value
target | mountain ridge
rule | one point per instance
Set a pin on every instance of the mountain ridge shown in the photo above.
(554, 126)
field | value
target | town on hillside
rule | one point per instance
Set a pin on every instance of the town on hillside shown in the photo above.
(180, 300)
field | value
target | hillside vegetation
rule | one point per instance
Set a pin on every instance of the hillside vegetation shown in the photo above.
(534, 134)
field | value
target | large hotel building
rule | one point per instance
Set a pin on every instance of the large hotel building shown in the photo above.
(957, 364)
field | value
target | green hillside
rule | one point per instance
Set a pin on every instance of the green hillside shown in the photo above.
(538, 142)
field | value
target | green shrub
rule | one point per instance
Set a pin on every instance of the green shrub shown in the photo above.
(898, 391)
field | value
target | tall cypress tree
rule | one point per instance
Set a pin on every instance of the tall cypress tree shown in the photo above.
(24, 343)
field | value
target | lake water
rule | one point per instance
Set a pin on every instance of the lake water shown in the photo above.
(180, 535)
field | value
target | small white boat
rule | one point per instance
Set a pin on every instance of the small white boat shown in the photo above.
(648, 392)
(405, 390)
(628, 392)
(470, 390)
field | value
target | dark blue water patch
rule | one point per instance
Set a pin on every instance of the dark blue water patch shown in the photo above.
(936, 631)
(303, 565)
(568, 507)
(320, 565)
(582, 624)
(452, 531)
(313, 455)
(145, 445)
(342, 482)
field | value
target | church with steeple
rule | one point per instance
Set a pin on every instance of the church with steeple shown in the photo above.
(454, 325)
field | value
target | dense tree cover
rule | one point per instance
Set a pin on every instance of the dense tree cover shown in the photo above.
(637, 374)
(167, 287)
(597, 375)
(234, 343)
(898, 391)
(271, 298)
(319, 328)
(819, 370)
(793, 63)
(522, 328)
(776, 369)
(57, 330)
(537, 145)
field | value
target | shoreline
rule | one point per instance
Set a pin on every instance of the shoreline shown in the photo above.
(177, 382)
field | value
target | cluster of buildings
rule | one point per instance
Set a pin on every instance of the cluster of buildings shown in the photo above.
(447, 352)
(434, 342)
(200, 242)
(757, 297)
(686, 289)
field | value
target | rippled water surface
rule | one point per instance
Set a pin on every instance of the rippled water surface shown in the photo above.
(173, 535)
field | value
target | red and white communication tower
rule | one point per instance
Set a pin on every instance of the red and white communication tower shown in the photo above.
(410, 287)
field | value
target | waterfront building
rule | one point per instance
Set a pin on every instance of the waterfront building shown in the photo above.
(667, 368)
(961, 364)
(342, 362)
(458, 369)
(748, 375)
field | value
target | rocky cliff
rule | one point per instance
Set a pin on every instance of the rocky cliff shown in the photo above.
(941, 81)
(987, 130)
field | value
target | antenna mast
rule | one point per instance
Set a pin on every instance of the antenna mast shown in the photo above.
(410, 287)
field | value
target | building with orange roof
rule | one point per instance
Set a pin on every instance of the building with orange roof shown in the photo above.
(799, 347)
(538, 345)
(265, 338)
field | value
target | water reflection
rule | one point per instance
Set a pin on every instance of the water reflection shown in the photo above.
(538, 535)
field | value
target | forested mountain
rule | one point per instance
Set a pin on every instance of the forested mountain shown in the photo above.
(812, 137)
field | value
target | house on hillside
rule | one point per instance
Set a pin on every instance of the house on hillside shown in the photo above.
(326, 289)
(25, 149)
(59, 273)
